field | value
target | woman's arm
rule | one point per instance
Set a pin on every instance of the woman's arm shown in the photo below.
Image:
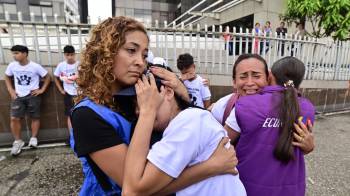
(222, 161)
(232, 134)
(142, 177)
(232, 127)
(95, 138)
(111, 161)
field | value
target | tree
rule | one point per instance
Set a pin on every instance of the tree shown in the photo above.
(328, 17)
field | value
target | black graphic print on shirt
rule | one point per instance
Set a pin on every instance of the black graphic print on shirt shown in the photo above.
(193, 99)
(24, 78)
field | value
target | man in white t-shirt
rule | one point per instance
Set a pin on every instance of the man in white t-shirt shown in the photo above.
(26, 94)
(199, 93)
(66, 72)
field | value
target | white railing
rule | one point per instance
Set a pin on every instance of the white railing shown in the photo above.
(324, 58)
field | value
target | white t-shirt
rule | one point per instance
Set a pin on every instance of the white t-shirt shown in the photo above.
(190, 138)
(65, 70)
(219, 107)
(198, 91)
(231, 121)
(26, 77)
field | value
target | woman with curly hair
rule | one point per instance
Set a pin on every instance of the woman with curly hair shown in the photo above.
(114, 59)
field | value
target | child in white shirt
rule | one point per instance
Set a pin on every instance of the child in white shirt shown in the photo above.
(190, 137)
(66, 72)
(198, 92)
(25, 95)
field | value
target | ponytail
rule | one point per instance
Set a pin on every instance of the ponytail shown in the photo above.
(289, 111)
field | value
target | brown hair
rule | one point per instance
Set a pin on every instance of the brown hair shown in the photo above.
(289, 72)
(96, 68)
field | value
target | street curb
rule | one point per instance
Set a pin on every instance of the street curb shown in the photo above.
(39, 146)
(318, 115)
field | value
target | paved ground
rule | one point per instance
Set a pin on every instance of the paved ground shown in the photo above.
(55, 171)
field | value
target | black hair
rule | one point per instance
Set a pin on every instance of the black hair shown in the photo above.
(68, 49)
(248, 56)
(20, 48)
(181, 102)
(184, 61)
(289, 72)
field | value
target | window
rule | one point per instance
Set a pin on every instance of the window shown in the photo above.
(1, 9)
(35, 9)
(164, 17)
(129, 12)
(47, 10)
(11, 8)
(120, 11)
(155, 16)
(138, 5)
(164, 7)
(129, 4)
(143, 15)
(120, 3)
(171, 16)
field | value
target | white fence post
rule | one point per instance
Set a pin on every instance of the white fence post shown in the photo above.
(323, 59)
(198, 37)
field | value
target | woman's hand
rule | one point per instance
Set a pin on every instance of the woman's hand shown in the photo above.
(224, 160)
(148, 97)
(170, 79)
(303, 137)
(206, 82)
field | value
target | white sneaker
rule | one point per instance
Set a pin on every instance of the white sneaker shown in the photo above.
(33, 142)
(17, 147)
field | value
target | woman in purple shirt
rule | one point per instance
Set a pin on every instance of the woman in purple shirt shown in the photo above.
(268, 162)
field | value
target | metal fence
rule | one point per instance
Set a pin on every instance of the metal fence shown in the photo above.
(325, 59)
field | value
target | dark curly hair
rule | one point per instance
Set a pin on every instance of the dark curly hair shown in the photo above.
(184, 61)
(95, 71)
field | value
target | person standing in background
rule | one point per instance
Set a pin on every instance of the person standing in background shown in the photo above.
(66, 72)
(199, 93)
(25, 96)
(281, 33)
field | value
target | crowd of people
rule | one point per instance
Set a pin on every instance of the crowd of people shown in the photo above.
(139, 129)
(262, 45)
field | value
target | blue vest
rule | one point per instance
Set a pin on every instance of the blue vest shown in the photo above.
(122, 127)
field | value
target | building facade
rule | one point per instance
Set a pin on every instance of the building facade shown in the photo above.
(66, 10)
(147, 11)
(233, 13)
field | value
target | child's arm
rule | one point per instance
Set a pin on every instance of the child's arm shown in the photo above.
(10, 88)
(44, 87)
(140, 176)
(206, 103)
(222, 161)
(205, 92)
(59, 85)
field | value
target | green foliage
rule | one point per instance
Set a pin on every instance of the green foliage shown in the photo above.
(328, 17)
